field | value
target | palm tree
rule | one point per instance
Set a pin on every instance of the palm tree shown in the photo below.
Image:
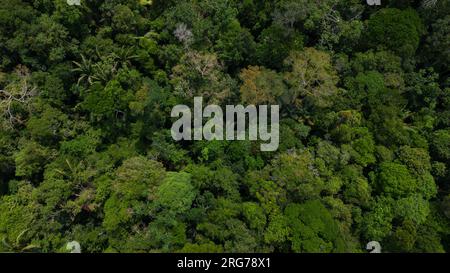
(17, 245)
(105, 70)
(124, 55)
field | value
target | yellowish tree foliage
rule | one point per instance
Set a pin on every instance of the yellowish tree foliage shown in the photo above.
(311, 77)
(260, 85)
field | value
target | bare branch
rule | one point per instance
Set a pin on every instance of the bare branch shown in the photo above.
(16, 93)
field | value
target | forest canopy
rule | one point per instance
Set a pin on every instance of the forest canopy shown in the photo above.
(86, 153)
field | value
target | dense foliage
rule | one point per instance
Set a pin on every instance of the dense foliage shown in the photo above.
(86, 153)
